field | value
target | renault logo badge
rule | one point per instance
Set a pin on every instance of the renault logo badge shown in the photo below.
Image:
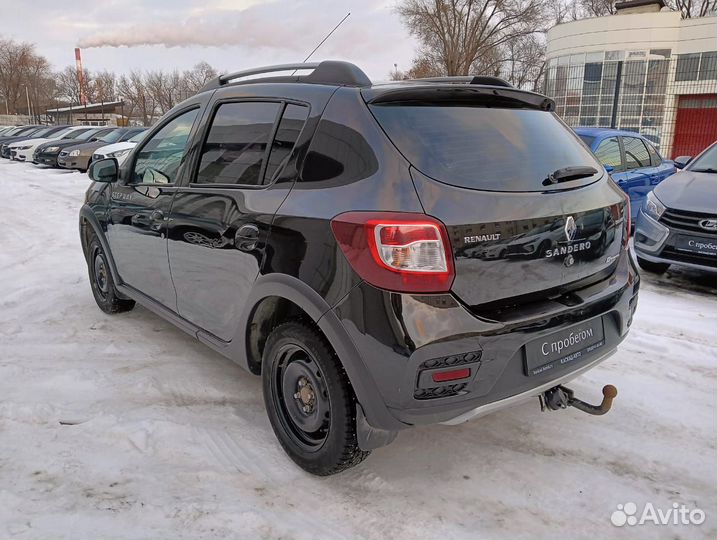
(570, 228)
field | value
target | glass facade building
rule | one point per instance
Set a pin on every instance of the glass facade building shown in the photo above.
(626, 89)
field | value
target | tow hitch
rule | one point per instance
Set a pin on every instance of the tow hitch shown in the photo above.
(561, 397)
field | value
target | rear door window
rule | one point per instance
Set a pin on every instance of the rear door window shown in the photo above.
(655, 159)
(292, 122)
(608, 153)
(236, 146)
(636, 154)
(486, 148)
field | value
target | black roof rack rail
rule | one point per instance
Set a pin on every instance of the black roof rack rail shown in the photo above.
(326, 72)
(469, 79)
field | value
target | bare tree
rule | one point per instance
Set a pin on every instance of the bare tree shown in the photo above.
(524, 62)
(164, 87)
(580, 9)
(134, 91)
(23, 74)
(694, 8)
(458, 35)
(104, 87)
(68, 85)
(593, 8)
(193, 80)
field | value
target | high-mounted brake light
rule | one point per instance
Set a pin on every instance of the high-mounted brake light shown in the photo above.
(401, 252)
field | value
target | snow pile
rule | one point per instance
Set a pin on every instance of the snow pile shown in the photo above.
(124, 427)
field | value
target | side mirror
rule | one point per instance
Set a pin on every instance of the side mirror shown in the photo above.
(608, 168)
(682, 161)
(104, 170)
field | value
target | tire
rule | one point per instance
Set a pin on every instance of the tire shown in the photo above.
(653, 267)
(309, 400)
(103, 287)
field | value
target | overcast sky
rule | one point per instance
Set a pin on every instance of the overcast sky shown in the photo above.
(229, 34)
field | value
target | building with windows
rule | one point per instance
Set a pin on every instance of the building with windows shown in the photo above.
(644, 69)
(110, 113)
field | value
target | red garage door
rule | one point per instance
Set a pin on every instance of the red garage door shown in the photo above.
(696, 126)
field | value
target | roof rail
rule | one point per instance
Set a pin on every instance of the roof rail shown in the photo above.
(469, 79)
(326, 72)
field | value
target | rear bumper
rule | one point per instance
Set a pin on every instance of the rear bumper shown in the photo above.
(655, 242)
(402, 338)
(528, 394)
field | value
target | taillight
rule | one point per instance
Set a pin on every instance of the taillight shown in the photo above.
(401, 252)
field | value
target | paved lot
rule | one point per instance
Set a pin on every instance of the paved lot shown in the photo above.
(124, 427)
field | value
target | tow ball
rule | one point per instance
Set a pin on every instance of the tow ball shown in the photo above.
(561, 397)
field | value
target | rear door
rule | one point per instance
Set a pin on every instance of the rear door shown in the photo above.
(221, 218)
(661, 168)
(484, 172)
(140, 205)
(639, 172)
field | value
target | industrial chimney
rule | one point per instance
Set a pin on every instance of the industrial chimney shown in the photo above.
(80, 76)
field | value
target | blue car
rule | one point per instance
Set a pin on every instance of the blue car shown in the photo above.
(630, 159)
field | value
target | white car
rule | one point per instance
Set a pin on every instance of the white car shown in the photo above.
(118, 150)
(23, 150)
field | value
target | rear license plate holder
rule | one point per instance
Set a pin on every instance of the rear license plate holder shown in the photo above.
(564, 347)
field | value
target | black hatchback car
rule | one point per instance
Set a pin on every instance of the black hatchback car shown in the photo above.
(350, 242)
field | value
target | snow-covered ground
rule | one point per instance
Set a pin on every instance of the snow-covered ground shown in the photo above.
(125, 427)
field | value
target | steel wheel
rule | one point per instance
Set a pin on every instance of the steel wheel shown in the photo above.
(300, 397)
(101, 280)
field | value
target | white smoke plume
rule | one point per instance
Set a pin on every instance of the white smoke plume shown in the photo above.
(245, 29)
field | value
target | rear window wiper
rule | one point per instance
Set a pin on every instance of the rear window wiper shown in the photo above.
(707, 170)
(569, 173)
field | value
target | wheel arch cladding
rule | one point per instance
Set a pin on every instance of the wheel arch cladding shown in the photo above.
(294, 298)
(90, 224)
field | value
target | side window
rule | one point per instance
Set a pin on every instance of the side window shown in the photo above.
(655, 159)
(160, 158)
(292, 122)
(636, 154)
(608, 153)
(236, 144)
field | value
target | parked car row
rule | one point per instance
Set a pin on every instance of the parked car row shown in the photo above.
(70, 147)
(675, 202)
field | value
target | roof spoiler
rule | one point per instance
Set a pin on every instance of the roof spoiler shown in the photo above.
(467, 94)
(469, 79)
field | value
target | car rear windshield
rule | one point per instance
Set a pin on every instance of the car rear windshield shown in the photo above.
(486, 148)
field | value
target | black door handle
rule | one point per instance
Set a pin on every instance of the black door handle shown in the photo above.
(246, 238)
